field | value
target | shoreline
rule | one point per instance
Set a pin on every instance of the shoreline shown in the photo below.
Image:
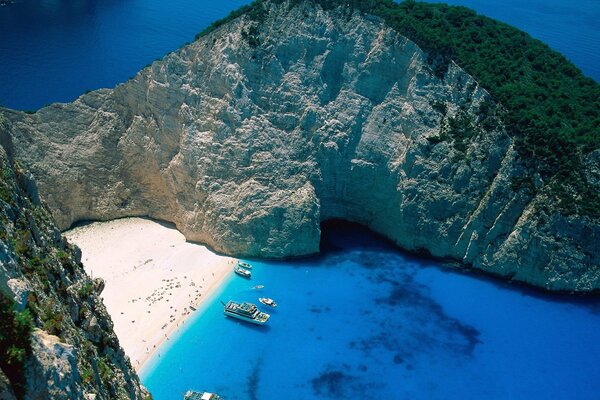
(178, 324)
(153, 276)
(148, 363)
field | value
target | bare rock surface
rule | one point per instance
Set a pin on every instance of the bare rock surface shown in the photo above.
(72, 351)
(251, 136)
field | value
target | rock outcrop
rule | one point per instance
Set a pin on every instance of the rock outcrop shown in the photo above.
(250, 137)
(72, 351)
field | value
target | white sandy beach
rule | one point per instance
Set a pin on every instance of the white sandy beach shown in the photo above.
(152, 277)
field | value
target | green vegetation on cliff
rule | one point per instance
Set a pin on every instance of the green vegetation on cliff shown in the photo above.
(553, 111)
(42, 272)
(15, 342)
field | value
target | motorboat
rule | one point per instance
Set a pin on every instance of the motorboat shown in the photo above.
(242, 272)
(268, 302)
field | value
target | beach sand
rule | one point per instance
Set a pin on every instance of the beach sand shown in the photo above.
(152, 277)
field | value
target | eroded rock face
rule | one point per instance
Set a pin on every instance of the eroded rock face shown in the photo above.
(250, 137)
(74, 351)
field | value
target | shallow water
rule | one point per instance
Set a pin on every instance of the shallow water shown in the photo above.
(54, 50)
(365, 319)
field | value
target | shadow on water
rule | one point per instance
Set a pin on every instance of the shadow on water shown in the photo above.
(338, 238)
(254, 327)
(588, 301)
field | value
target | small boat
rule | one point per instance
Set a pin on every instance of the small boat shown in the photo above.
(258, 287)
(192, 308)
(268, 302)
(193, 395)
(246, 312)
(242, 272)
(244, 265)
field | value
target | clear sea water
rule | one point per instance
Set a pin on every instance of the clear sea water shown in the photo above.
(365, 321)
(54, 50)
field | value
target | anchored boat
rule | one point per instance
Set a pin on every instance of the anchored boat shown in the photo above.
(242, 272)
(246, 312)
(193, 395)
(244, 265)
(268, 302)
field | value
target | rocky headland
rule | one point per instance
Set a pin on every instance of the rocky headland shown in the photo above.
(56, 338)
(250, 137)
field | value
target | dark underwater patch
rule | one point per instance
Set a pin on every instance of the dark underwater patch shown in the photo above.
(336, 383)
(332, 384)
(369, 260)
(410, 323)
(253, 381)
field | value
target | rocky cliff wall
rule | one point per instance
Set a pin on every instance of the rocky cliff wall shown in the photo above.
(251, 136)
(72, 352)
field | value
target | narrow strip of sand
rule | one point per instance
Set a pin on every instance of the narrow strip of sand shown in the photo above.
(153, 278)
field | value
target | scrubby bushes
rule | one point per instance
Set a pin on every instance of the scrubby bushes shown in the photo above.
(15, 342)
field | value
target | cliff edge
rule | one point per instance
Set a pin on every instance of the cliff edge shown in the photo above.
(289, 115)
(56, 338)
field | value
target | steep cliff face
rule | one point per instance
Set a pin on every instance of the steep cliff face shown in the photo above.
(72, 351)
(250, 137)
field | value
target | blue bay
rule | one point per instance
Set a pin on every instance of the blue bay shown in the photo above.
(366, 320)
(363, 320)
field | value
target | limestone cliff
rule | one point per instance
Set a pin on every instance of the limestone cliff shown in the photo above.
(251, 136)
(70, 350)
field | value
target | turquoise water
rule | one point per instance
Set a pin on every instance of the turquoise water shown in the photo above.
(54, 50)
(367, 321)
(362, 321)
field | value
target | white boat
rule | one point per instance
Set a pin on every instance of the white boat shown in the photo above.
(242, 272)
(246, 312)
(244, 265)
(268, 302)
(193, 395)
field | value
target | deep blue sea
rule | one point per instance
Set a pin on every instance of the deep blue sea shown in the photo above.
(54, 50)
(365, 321)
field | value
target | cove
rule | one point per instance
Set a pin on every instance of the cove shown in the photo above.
(364, 319)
